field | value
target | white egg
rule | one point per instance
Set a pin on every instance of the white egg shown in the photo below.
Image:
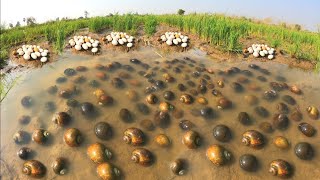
(85, 46)
(256, 54)
(262, 53)
(129, 45)
(44, 54)
(109, 39)
(250, 50)
(34, 56)
(265, 52)
(114, 42)
(38, 54)
(94, 45)
(81, 41)
(44, 59)
(270, 57)
(94, 50)
(91, 41)
(270, 52)
(46, 50)
(72, 43)
(163, 36)
(41, 50)
(121, 41)
(21, 53)
(272, 49)
(130, 40)
(77, 47)
(184, 40)
(182, 36)
(169, 42)
(179, 40)
(184, 45)
(124, 40)
(175, 41)
(30, 50)
(88, 44)
(96, 41)
(26, 56)
(268, 49)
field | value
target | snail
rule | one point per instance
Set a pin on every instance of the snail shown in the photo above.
(253, 139)
(186, 124)
(107, 171)
(72, 137)
(99, 92)
(218, 155)
(266, 127)
(237, 87)
(61, 118)
(248, 162)
(34, 169)
(216, 92)
(152, 99)
(165, 106)
(289, 100)
(182, 87)
(304, 151)
(168, 95)
(59, 166)
(220, 83)
(261, 111)
(224, 103)
(52, 89)
(221, 133)
(125, 115)
(103, 130)
(162, 119)
(20, 137)
(244, 118)
(117, 83)
(178, 167)
(202, 100)
(280, 168)
(191, 139)
(159, 84)
(132, 95)
(296, 115)
(133, 136)
(144, 109)
(81, 68)
(282, 108)
(270, 95)
(162, 140)
(87, 108)
(147, 124)
(295, 89)
(202, 89)
(186, 99)
(307, 129)
(24, 153)
(142, 156)
(280, 121)
(101, 75)
(177, 113)
(40, 136)
(69, 72)
(98, 153)
(105, 100)
(24, 119)
(65, 93)
(281, 142)
(27, 101)
(313, 112)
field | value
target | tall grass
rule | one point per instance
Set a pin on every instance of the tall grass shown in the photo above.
(150, 25)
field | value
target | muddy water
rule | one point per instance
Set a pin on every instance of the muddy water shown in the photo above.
(199, 167)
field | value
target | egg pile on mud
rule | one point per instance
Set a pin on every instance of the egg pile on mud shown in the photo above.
(84, 43)
(120, 39)
(261, 50)
(163, 104)
(32, 52)
(175, 39)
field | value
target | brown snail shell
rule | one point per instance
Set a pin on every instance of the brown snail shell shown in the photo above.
(296, 115)
(280, 121)
(40, 136)
(142, 156)
(59, 166)
(251, 99)
(218, 155)
(165, 106)
(162, 140)
(147, 124)
(99, 92)
(191, 139)
(98, 153)
(133, 136)
(152, 99)
(161, 119)
(202, 100)
(253, 138)
(20, 137)
(132, 95)
(135, 82)
(295, 89)
(281, 142)
(220, 83)
(266, 127)
(107, 171)
(307, 129)
(178, 167)
(280, 168)
(34, 169)
(224, 103)
(61, 118)
(72, 137)
(313, 112)
(101, 75)
(104, 100)
(186, 99)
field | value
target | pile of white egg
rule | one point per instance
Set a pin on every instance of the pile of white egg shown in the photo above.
(175, 38)
(29, 52)
(261, 50)
(120, 38)
(84, 43)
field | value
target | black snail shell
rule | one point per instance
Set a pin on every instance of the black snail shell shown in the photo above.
(186, 125)
(24, 119)
(253, 138)
(282, 108)
(143, 108)
(117, 83)
(87, 108)
(103, 130)
(20, 137)
(34, 169)
(60, 80)
(72, 103)
(168, 95)
(266, 127)
(52, 89)
(244, 118)
(159, 84)
(307, 129)
(280, 168)
(288, 99)
(50, 106)
(142, 156)
(135, 61)
(133, 136)
(304, 151)
(218, 155)
(72, 137)
(202, 89)
(236, 87)
(61, 118)
(248, 162)
(270, 95)
(24, 153)
(98, 153)
(69, 72)
(280, 121)
(296, 115)
(105, 100)
(162, 119)
(178, 167)
(191, 139)
(40, 136)
(125, 115)
(147, 124)
(59, 166)
(27, 101)
(221, 133)
(107, 171)
(181, 87)
(261, 111)
(207, 112)
(151, 99)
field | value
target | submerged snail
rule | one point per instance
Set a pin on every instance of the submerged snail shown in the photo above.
(104, 100)
(59, 166)
(313, 112)
(87, 108)
(27, 101)
(281, 142)
(178, 167)
(266, 127)
(20, 137)
(251, 99)
(152, 99)
(24, 153)
(221, 133)
(186, 99)
(162, 119)
(304, 151)
(162, 140)
(280, 168)
(165, 106)
(295, 89)
(125, 115)
(107, 171)
(168, 95)
(142, 156)
(202, 100)
(61, 118)
(186, 124)
(132, 95)
(40, 136)
(34, 169)
(133, 136)
(253, 139)
(103, 130)
(98, 153)
(280, 121)
(72, 137)
(296, 115)
(307, 129)
(224, 103)
(244, 118)
(147, 124)
(248, 162)
(218, 155)
(191, 139)
(24, 119)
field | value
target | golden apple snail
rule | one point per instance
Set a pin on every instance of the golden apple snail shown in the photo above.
(218, 155)
(142, 156)
(221, 133)
(40, 136)
(24, 153)
(103, 130)
(61, 118)
(281, 142)
(34, 169)
(59, 166)
(307, 129)
(72, 137)
(280, 168)
(304, 151)
(191, 139)
(162, 140)
(313, 112)
(178, 167)
(248, 162)
(253, 138)
(133, 136)
(98, 153)
(107, 171)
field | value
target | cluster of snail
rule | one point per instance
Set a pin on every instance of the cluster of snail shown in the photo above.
(84, 43)
(175, 39)
(120, 39)
(32, 52)
(190, 93)
(261, 50)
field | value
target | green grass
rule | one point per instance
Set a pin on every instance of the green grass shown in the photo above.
(225, 33)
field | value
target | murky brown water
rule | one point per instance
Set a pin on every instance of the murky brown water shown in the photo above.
(199, 167)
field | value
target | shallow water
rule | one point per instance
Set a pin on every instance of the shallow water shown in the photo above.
(80, 166)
